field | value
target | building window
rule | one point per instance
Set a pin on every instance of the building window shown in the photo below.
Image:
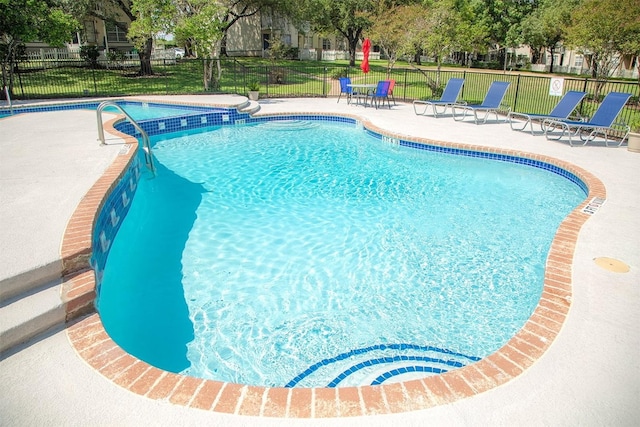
(579, 61)
(115, 34)
(326, 44)
(308, 42)
(286, 39)
(89, 32)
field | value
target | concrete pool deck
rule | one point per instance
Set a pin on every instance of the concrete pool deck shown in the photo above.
(590, 375)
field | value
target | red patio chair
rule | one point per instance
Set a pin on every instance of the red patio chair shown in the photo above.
(392, 84)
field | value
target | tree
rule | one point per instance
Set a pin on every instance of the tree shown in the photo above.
(629, 43)
(200, 21)
(433, 29)
(472, 30)
(503, 18)
(546, 26)
(200, 24)
(348, 18)
(111, 12)
(23, 21)
(605, 30)
(439, 33)
(390, 30)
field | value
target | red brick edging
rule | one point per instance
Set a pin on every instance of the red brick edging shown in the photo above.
(95, 346)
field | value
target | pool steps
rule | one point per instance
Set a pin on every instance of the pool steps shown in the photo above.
(35, 310)
(249, 107)
(28, 280)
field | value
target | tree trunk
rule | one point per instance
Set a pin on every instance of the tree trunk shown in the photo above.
(188, 49)
(535, 55)
(207, 73)
(9, 68)
(145, 58)
(552, 59)
(353, 44)
(223, 45)
(594, 66)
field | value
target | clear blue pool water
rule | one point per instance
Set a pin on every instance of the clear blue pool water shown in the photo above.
(312, 254)
(146, 111)
(137, 110)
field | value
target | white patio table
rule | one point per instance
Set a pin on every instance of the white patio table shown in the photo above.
(366, 90)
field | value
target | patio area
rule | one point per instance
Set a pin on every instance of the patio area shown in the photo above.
(589, 376)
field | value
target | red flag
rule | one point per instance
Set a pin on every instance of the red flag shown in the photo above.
(366, 48)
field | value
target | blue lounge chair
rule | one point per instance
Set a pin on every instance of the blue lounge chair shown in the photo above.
(449, 97)
(346, 89)
(491, 103)
(602, 122)
(381, 93)
(563, 108)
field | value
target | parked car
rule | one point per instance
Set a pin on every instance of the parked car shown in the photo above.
(179, 52)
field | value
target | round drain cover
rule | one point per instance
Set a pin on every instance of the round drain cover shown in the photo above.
(611, 264)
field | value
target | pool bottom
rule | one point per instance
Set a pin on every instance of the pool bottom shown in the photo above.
(523, 350)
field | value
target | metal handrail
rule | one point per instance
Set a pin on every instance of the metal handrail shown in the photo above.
(8, 95)
(146, 144)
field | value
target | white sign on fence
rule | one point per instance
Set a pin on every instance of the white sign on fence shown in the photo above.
(556, 86)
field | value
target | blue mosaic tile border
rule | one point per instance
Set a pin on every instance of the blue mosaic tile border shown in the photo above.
(228, 117)
(184, 122)
(53, 107)
(485, 155)
(194, 108)
(110, 217)
(382, 360)
(93, 105)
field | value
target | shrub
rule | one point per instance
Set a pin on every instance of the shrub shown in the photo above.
(115, 55)
(90, 54)
(336, 73)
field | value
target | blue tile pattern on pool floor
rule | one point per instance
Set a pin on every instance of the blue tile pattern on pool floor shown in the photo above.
(450, 359)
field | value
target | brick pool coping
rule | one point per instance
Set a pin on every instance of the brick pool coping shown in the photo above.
(89, 338)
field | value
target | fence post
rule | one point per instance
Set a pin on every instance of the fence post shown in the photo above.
(404, 90)
(237, 71)
(266, 74)
(464, 77)
(324, 83)
(515, 99)
(93, 74)
(584, 89)
(17, 73)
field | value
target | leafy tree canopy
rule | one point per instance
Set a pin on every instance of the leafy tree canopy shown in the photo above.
(546, 26)
(348, 18)
(23, 21)
(604, 29)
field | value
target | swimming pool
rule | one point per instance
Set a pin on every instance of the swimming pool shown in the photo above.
(138, 110)
(275, 237)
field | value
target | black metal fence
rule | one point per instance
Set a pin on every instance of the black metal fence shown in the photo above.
(527, 92)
